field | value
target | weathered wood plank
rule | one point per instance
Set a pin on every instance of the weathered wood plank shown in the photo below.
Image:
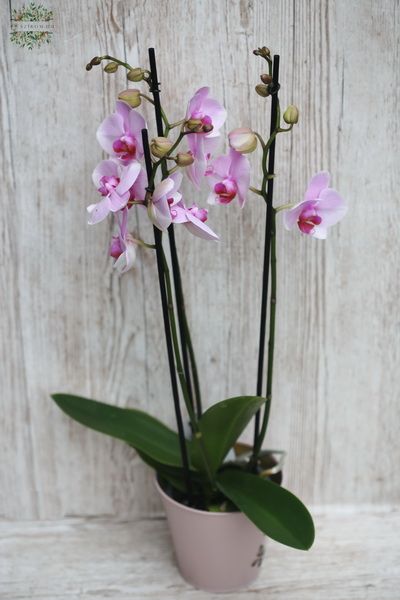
(69, 323)
(356, 556)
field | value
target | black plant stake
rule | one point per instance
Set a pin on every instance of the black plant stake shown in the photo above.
(269, 231)
(167, 328)
(186, 346)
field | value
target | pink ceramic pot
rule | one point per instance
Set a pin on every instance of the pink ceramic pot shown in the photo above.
(216, 552)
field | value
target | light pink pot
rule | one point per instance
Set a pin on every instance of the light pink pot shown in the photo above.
(216, 552)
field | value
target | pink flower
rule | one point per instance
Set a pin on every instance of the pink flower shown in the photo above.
(123, 246)
(165, 195)
(211, 116)
(168, 207)
(228, 177)
(120, 134)
(321, 208)
(113, 182)
(193, 219)
(195, 223)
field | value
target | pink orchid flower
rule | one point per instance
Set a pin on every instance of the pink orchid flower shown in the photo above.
(165, 195)
(167, 207)
(123, 246)
(193, 218)
(321, 208)
(120, 134)
(228, 177)
(113, 182)
(211, 114)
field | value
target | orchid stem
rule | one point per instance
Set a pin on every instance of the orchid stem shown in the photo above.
(285, 206)
(183, 326)
(178, 361)
(179, 368)
(271, 340)
(267, 189)
(260, 139)
(117, 60)
(183, 375)
(255, 191)
(167, 331)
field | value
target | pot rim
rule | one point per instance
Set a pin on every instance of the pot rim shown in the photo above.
(232, 514)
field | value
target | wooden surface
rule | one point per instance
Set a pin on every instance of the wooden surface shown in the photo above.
(69, 323)
(356, 556)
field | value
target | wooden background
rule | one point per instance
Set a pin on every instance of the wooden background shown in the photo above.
(69, 323)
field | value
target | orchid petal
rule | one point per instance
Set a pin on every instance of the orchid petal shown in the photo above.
(163, 188)
(291, 216)
(98, 212)
(200, 229)
(159, 214)
(174, 199)
(123, 110)
(110, 129)
(319, 182)
(196, 171)
(177, 179)
(216, 111)
(196, 101)
(220, 166)
(135, 125)
(240, 172)
(179, 214)
(331, 207)
(138, 190)
(117, 201)
(129, 174)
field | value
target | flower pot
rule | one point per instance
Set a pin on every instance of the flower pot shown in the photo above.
(215, 552)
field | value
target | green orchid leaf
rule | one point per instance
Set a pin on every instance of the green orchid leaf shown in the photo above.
(274, 510)
(220, 427)
(140, 430)
(174, 475)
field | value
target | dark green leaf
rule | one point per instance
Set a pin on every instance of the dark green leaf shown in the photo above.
(135, 427)
(174, 475)
(274, 510)
(220, 427)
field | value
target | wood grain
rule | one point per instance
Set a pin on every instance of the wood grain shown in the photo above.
(69, 323)
(356, 557)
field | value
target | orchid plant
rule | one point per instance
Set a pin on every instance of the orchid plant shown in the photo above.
(206, 470)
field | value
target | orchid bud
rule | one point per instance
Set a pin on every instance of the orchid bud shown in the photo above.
(243, 140)
(111, 67)
(89, 67)
(96, 60)
(184, 159)
(207, 127)
(291, 115)
(265, 78)
(264, 52)
(160, 146)
(262, 90)
(194, 125)
(136, 74)
(131, 97)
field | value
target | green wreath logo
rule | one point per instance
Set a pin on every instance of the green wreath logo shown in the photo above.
(31, 25)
